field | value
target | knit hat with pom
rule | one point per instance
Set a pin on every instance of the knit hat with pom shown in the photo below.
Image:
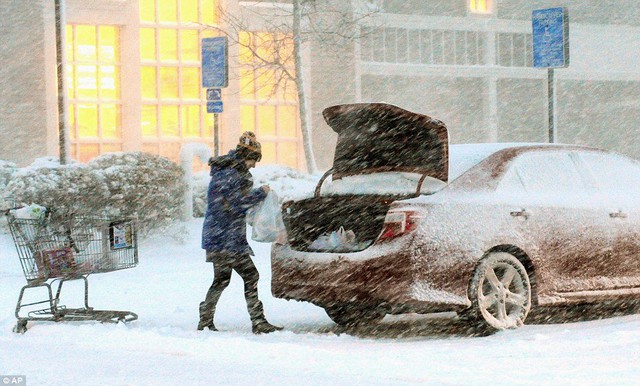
(248, 147)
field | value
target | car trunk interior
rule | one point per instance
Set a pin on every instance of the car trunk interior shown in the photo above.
(310, 219)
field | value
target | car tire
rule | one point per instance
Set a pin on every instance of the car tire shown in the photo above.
(352, 315)
(500, 293)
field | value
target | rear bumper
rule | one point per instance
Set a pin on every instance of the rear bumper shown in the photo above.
(380, 276)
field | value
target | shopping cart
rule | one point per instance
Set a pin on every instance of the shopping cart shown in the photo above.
(69, 249)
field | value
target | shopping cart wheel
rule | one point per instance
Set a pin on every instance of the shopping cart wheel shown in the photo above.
(21, 326)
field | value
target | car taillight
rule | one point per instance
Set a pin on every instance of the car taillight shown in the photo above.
(397, 223)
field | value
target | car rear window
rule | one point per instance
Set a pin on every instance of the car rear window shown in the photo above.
(544, 172)
(463, 157)
(613, 172)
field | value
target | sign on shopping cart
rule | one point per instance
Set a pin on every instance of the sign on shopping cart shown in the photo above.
(58, 262)
(121, 234)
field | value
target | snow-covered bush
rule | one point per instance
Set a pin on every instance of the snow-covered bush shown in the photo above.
(287, 183)
(200, 186)
(7, 170)
(64, 190)
(141, 184)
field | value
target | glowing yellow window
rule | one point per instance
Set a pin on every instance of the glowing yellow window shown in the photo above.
(247, 118)
(189, 11)
(283, 90)
(267, 120)
(168, 82)
(208, 129)
(287, 121)
(266, 82)
(191, 121)
(189, 45)
(87, 83)
(109, 82)
(148, 10)
(71, 82)
(168, 10)
(268, 152)
(246, 84)
(94, 86)
(480, 6)
(246, 56)
(168, 43)
(109, 43)
(169, 121)
(87, 120)
(149, 84)
(110, 121)
(209, 11)
(70, 48)
(86, 43)
(149, 121)
(147, 44)
(190, 83)
(72, 120)
(264, 45)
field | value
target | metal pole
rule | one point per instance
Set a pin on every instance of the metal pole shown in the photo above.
(551, 101)
(216, 135)
(62, 90)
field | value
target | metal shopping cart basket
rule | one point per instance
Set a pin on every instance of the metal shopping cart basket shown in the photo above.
(71, 249)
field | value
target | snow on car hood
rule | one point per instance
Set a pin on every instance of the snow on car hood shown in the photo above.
(377, 137)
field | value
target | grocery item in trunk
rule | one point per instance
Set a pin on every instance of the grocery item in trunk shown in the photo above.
(338, 241)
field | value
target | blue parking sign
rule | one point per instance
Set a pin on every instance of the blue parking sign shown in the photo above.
(550, 38)
(215, 64)
(214, 94)
(215, 107)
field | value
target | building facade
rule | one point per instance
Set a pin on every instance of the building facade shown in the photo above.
(133, 74)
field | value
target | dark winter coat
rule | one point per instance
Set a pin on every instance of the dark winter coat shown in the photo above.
(229, 196)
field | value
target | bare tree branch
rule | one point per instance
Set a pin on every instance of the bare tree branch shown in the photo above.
(274, 54)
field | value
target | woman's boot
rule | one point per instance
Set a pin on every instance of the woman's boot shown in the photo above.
(206, 318)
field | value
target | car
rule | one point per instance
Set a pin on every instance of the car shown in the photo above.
(406, 223)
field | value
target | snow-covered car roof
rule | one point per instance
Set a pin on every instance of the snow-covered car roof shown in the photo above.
(463, 157)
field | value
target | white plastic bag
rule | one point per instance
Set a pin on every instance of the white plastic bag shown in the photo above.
(342, 239)
(266, 219)
(31, 212)
(337, 241)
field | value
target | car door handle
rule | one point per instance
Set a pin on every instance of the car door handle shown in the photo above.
(520, 213)
(618, 214)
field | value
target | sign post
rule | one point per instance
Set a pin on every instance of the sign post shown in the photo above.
(215, 75)
(63, 139)
(550, 50)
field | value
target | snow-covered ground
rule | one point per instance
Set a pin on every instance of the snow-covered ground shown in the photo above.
(163, 347)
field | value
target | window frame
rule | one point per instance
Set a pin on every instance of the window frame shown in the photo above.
(163, 142)
(78, 142)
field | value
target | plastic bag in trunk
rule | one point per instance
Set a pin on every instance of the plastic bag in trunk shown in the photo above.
(338, 241)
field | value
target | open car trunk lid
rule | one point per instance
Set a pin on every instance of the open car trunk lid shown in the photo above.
(372, 138)
(375, 137)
